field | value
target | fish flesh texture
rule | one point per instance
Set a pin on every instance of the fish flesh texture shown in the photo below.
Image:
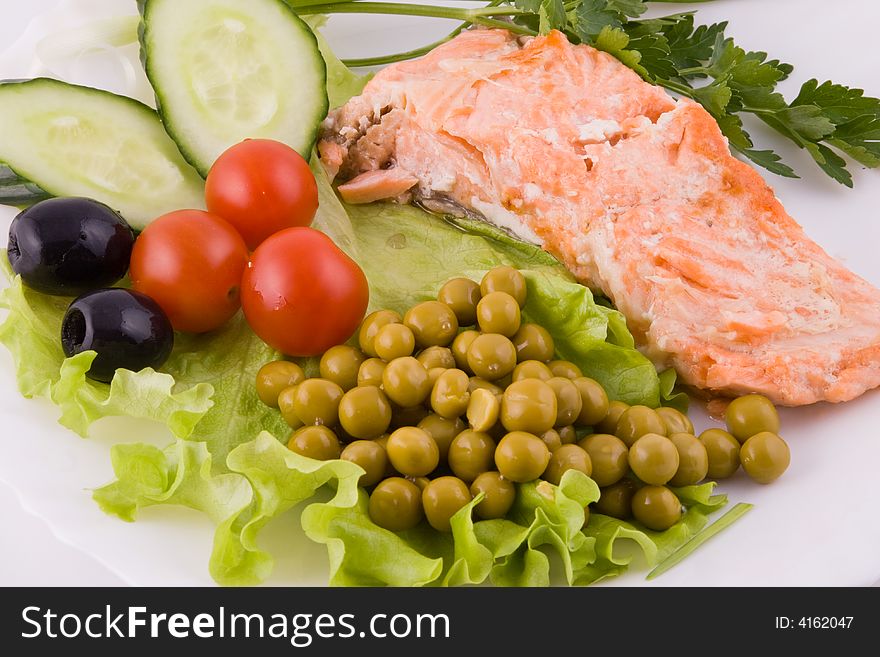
(635, 192)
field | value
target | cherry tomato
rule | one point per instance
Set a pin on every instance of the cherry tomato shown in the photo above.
(301, 294)
(191, 262)
(261, 186)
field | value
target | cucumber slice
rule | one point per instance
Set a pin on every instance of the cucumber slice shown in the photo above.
(226, 70)
(67, 140)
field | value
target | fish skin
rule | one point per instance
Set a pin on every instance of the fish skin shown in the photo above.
(635, 192)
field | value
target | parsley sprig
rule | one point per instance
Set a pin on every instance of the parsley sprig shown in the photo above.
(696, 61)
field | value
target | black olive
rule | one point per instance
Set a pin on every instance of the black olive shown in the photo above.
(126, 328)
(68, 246)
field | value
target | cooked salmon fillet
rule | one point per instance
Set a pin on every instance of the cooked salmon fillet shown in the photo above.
(635, 192)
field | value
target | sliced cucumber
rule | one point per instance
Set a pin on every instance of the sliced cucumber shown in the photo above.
(67, 140)
(226, 70)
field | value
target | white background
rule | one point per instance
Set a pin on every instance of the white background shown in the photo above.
(817, 525)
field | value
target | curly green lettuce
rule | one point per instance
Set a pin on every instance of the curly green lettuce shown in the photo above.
(545, 529)
(32, 333)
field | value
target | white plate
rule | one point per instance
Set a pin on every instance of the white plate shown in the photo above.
(818, 525)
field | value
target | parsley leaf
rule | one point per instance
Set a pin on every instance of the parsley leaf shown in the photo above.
(614, 41)
(838, 103)
(689, 46)
(714, 97)
(830, 162)
(593, 16)
(656, 59)
(770, 161)
(854, 117)
(860, 139)
(631, 8)
(551, 13)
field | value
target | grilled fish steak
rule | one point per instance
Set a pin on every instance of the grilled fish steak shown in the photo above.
(635, 192)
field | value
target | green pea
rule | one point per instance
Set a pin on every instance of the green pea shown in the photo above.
(675, 421)
(636, 421)
(722, 450)
(594, 401)
(442, 430)
(765, 456)
(370, 372)
(316, 442)
(460, 346)
(316, 401)
(608, 424)
(407, 416)
(432, 323)
(287, 407)
(369, 455)
(491, 356)
(436, 357)
(609, 457)
(528, 405)
(442, 498)
(462, 295)
(531, 369)
(364, 412)
(341, 364)
(656, 507)
(533, 342)
(396, 504)
(483, 410)
(274, 377)
(569, 401)
(450, 395)
(498, 312)
(521, 456)
(567, 457)
(406, 382)
(616, 500)
(568, 434)
(499, 495)
(565, 369)
(552, 439)
(653, 459)
(412, 452)
(749, 415)
(505, 279)
(394, 341)
(470, 454)
(371, 325)
(693, 460)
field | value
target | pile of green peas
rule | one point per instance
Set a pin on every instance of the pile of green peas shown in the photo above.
(659, 448)
(436, 413)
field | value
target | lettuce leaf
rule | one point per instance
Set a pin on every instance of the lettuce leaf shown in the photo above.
(363, 554)
(593, 337)
(609, 533)
(544, 529)
(508, 550)
(264, 480)
(342, 82)
(32, 331)
(427, 250)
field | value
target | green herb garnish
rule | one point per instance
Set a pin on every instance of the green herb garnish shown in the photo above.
(696, 61)
(688, 548)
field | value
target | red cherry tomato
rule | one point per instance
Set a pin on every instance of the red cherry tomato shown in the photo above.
(301, 294)
(261, 186)
(191, 262)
